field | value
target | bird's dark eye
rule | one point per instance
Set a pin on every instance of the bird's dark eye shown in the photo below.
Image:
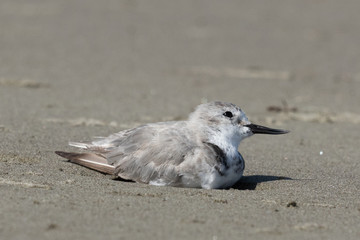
(228, 114)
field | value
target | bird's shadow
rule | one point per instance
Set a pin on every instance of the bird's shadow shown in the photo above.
(245, 183)
(250, 182)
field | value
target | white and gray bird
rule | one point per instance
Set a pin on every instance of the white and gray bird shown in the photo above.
(201, 152)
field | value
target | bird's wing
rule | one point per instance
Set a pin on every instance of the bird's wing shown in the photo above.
(148, 153)
(152, 153)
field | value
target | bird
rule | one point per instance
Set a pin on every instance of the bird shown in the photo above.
(200, 152)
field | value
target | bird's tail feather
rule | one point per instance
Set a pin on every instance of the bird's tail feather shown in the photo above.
(80, 144)
(89, 160)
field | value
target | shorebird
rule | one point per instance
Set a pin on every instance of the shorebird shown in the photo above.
(201, 152)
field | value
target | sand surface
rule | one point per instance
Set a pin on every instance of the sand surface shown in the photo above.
(70, 70)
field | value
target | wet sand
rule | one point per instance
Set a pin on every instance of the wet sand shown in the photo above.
(70, 70)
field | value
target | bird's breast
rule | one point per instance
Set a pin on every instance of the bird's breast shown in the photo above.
(225, 175)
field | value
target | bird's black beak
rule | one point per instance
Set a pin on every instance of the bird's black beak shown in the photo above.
(257, 129)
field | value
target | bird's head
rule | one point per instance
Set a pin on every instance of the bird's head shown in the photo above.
(229, 121)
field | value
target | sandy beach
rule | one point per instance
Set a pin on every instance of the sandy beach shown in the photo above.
(71, 70)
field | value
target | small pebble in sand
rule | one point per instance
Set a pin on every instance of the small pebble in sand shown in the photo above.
(292, 204)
